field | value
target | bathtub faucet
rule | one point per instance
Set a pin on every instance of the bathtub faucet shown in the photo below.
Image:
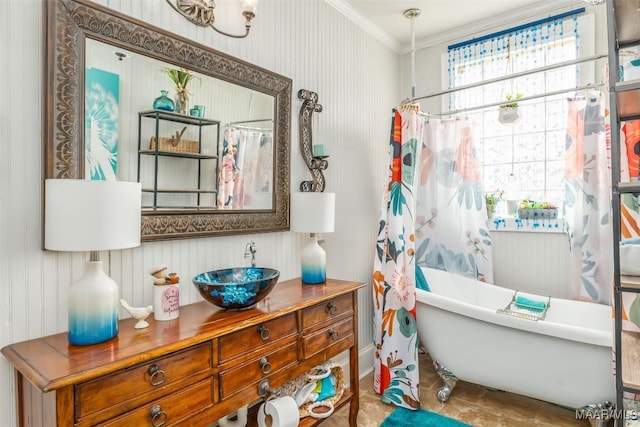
(250, 252)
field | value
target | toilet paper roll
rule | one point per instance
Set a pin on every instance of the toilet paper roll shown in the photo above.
(280, 412)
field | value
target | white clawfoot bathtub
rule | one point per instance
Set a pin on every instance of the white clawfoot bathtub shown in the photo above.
(564, 359)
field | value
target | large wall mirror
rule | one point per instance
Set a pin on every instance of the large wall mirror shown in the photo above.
(219, 169)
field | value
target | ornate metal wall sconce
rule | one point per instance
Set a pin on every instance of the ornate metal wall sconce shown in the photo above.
(316, 160)
(201, 13)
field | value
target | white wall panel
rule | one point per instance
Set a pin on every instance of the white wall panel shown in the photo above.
(532, 262)
(356, 78)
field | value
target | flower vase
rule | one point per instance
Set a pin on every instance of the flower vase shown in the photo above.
(491, 210)
(182, 103)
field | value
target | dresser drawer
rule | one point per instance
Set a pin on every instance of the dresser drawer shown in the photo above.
(256, 369)
(331, 309)
(248, 339)
(322, 339)
(169, 410)
(112, 390)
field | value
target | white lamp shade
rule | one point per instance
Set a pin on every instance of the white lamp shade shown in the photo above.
(87, 215)
(313, 212)
(249, 6)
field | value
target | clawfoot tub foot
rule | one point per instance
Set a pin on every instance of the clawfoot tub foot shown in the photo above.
(449, 379)
(598, 414)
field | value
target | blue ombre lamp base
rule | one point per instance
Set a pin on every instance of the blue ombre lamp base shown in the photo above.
(93, 307)
(313, 262)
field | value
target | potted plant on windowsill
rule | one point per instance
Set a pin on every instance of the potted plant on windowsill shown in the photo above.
(508, 113)
(530, 209)
(491, 201)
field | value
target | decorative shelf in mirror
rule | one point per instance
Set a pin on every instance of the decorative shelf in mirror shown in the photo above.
(191, 184)
(75, 28)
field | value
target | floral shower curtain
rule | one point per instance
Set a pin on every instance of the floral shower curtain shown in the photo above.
(394, 275)
(451, 218)
(587, 201)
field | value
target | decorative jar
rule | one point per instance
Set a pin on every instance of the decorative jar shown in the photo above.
(166, 301)
(163, 102)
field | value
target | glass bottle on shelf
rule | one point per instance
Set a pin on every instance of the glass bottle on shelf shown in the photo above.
(163, 102)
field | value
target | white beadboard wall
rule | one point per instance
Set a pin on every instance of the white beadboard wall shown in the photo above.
(357, 79)
(531, 262)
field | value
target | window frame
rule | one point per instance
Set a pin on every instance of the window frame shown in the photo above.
(586, 73)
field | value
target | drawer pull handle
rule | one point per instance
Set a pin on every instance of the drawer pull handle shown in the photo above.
(265, 333)
(265, 366)
(158, 416)
(333, 334)
(332, 309)
(157, 375)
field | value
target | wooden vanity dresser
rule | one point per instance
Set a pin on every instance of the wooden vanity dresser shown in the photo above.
(193, 370)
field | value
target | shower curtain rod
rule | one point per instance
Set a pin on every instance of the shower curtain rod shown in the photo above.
(524, 98)
(250, 121)
(245, 127)
(510, 76)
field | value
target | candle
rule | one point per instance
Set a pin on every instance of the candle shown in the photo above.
(319, 150)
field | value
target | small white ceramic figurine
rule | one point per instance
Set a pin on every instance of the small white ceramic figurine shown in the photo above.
(138, 313)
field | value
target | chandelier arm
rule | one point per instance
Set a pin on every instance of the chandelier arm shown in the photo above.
(249, 16)
(235, 36)
(200, 16)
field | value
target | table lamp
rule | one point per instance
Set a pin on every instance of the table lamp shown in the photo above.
(313, 212)
(86, 215)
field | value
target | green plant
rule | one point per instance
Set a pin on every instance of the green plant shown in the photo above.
(492, 199)
(513, 104)
(179, 77)
(531, 204)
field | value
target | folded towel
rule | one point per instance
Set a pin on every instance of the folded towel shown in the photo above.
(530, 304)
(632, 241)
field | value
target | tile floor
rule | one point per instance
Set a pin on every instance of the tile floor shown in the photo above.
(469, 403)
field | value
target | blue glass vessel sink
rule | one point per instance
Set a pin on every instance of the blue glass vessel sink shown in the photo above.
(236, 288)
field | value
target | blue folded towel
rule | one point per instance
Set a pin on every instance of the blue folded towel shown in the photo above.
(531, 305)
(632, 241)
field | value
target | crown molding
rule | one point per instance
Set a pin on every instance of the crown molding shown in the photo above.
(355, 16)
(466, 32)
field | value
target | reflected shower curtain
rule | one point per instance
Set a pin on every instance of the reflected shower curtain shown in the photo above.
(228, 168)
(394, 284)
(451, 217)
(246, 168)
(587, 201)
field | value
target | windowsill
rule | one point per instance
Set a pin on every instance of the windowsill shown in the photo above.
(513, 224)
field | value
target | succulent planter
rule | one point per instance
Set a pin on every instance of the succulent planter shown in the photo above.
(538, 213)
(508, 115)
